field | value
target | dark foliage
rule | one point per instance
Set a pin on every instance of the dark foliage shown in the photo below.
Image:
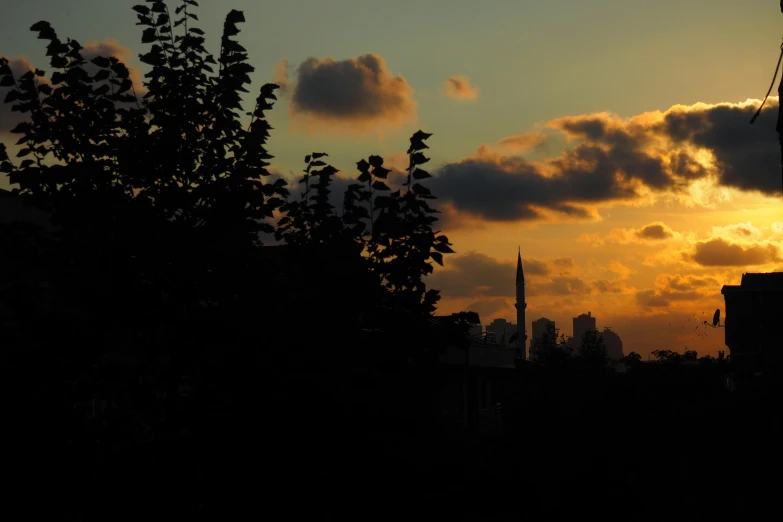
(148, 321)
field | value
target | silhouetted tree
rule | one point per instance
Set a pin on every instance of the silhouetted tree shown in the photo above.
(592, 351)
(160, 304)
(632, 359)
(404, 238)
(667, 356)
(551, 350)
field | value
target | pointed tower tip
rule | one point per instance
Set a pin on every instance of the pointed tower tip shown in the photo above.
(520, 273)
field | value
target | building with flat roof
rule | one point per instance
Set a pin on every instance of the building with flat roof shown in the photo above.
(754, 310)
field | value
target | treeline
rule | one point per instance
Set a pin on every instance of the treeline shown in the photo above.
(150, 313)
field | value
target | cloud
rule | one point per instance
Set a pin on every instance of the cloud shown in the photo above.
(675, 288)
(523, 142)
(738, 230)
(747, 157)
(620, 269)
(686, 152)
(459, 88)
(280, 77)
(562, 266)
(474, 274)
(649, 233)
(488, 309)
(654, 231)
(687, 283)
(352, 95)
(558, 285)
(718, 252)
(605, 286)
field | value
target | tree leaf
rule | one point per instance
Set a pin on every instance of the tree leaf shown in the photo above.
(59, 62)
(421, 174)
(6, 81)
(40, 26)
(101, 61)
(380, 172)
(443, 247)
(235, 17)
(149, 35)
(101, 75)
(418, 158)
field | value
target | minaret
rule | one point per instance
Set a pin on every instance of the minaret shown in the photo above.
(520, 306)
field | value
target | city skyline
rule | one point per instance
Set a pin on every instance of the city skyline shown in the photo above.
(628, 173)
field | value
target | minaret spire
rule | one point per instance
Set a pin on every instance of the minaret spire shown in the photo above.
(521, 305)
(520, 272)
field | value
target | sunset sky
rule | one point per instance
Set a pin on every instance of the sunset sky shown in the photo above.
(608, 139)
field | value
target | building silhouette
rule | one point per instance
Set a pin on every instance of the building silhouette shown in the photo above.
(501, 331)
(539, 330)
(752, 330)
(539, 327)
(521, 305)
(583, 324)
(613, 343)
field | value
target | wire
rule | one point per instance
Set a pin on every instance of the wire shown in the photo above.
(777, 68)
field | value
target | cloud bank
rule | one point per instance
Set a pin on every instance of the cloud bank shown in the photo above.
(610, 160)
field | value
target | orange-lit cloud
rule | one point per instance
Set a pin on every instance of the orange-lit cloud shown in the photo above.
(650, 233)
(355, 95)
(720, 253)
(676, 289)
(281, 77)
(523, 142)
(459, 88)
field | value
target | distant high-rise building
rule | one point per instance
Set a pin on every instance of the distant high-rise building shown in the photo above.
(613, 343)
(583, 323)
(502, 331)
(539, 328)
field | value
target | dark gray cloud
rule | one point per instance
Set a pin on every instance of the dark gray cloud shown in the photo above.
(489, 309)
(651, 299)
(557, 285)
(654, 231)
(614, 159)
(748, 156)
(352, 91)
(474, 274)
